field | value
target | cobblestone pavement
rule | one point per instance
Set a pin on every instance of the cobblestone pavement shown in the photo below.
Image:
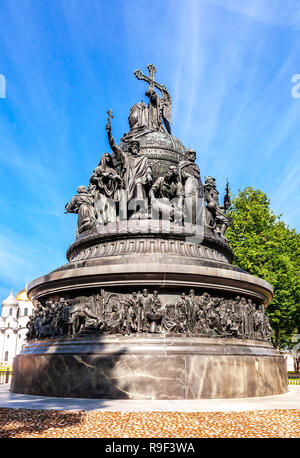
(25, 423)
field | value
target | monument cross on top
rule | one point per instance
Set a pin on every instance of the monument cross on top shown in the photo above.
(140, 75)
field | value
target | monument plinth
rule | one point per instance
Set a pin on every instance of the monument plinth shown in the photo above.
(149, 305)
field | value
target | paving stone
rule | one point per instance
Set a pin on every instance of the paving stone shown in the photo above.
(25, 423)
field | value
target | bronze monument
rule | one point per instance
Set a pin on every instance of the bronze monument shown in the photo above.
(149, 305)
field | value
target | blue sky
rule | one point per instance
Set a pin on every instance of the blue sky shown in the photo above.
(227, 64)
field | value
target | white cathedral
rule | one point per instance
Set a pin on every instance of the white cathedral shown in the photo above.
(15, 314)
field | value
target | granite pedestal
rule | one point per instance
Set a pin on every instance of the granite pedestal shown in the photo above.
(149, 367)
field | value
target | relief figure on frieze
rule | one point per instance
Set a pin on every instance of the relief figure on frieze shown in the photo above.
(30, 327)
(60, 317)
(137, 305)
(250, 319)
(155, 312)
(73, 317)
(128, 317)
(170, 321)
(145, 300)
(192, 311)
(113, 322)
(182, 311)
(144, 312)
(213, 316)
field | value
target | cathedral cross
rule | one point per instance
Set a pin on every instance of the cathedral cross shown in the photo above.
(149, 79)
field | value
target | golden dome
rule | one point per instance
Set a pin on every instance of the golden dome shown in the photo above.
(22, 295)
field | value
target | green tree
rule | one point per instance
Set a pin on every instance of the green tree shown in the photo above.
(266, 247)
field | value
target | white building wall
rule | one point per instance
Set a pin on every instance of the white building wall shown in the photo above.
(290, 363)
(9, 347)
(13, 330)
(9, 311)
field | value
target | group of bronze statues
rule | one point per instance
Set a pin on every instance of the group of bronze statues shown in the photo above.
(128, 191)
(123, 186)
(142, 312)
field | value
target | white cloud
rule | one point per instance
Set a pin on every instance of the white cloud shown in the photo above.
(273, 12)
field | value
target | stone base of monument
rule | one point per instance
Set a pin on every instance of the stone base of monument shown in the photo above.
(145, 367)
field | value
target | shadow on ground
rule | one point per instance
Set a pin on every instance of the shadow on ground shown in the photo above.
(26, 423)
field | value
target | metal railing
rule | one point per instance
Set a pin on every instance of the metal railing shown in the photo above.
(294, 379)
(5, 376)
